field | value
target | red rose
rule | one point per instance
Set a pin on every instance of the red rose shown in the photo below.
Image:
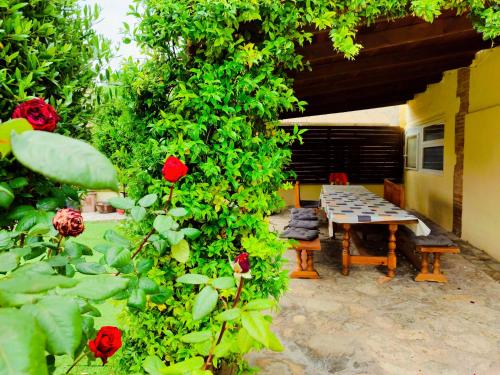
(174, 169)
(41, 115)
(68, 222)
(106, 343)
(241, 263)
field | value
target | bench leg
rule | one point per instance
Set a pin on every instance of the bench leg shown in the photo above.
(310, 272)
(436, 274)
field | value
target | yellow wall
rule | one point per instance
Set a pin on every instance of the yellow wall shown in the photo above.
(311, 192)
(481, 201)
(431, 193)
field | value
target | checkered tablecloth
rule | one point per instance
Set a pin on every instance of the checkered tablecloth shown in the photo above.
(354, 204)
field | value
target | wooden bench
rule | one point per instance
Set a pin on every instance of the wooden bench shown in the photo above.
(309, 247)
(436, 251)
(394, 193)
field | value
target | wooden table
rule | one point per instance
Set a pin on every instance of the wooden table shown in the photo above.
(353, 204)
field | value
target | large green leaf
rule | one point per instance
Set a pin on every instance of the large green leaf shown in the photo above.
(123, 203)
(180, 251)
(226, 282)
(195, 337)
(117, 257)
(90, 268)
(64, 159)
(205, 302)
(8, 261)
(19, 125)
(6, 195)
(138, 213)
(154, 366)
(22, 344)
(163, 223)
(97, 287)
(60, 318)
(230, 314)
(148, 200)
(257, 327)
(137, 299)
(116, 238)
(34, 282)
(192, 278)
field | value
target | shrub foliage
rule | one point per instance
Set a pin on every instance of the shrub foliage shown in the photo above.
(211, 93)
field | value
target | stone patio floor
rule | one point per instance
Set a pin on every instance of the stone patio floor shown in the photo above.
(358, 324)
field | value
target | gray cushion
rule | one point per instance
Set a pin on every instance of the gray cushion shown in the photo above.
(307, 224)
(304, 214)
(433, 240)
(309, 204)
(300, 234)
(311, 211)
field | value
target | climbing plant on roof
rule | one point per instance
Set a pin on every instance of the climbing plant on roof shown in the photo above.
(211, 93)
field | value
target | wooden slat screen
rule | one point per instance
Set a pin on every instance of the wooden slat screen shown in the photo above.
(368, 154)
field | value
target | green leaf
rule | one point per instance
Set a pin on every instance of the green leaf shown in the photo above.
(20, 211)
(57, 261)
(173, 237)
(274, 343)
(185, 367)
(39, 229)
(8, 261)
(148, 200)
(34, 283)
(48, 204)
(16, 299)
(137, 299)
(90, 268)
(22, 344)
(244, 341)
(97, 287)
(148, 285)
(260, 304)
(154, 366)
(193, 278)
(195, 337)
(180, 251)
(191, 233)
(64, 159)
(19, 125)
(18, 182)
(163, 223)
(6, 195)
(178, 212)
(144, 265)
(257, 327)
(205, 302)
(76, 249)
(230, 314)
(122, 203)
(117, 257)
(60, 319)
(116, 238)
(138, 213)
(226, 282)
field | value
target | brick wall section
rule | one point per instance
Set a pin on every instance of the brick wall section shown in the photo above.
(463, 78)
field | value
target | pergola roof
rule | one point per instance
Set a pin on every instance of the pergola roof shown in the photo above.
(399, 59)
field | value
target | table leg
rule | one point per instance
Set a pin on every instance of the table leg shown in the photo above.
(391, 256)
(346, 255)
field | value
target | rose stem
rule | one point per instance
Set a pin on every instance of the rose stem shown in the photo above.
(208, 363)
(58, 250)
(80, 357)
(145, 239)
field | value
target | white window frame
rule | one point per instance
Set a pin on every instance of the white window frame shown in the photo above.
(418, 132)
(427, 144)
(409, 134)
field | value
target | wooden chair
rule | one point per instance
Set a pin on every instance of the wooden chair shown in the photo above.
(299, 203)
(435, 245)
(309, 247)
(394, 193)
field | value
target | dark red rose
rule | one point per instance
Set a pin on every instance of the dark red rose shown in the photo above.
(174, 169)
(41, 115)
(106, 343)
(241, 263)
(68, 222)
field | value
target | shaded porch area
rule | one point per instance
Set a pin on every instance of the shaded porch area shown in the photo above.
(360, 325)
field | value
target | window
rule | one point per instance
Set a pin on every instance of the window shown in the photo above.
(424, 148)
(433, 147)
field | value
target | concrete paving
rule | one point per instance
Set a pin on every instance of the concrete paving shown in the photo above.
(359, 324)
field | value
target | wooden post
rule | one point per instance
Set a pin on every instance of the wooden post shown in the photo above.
(299, 260)
(391, 257)
(346, 255)
(436, 266)
(425, 263)
(310, 260)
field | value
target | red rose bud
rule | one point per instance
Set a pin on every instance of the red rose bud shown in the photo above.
(174, 169)
(68, 222)
(106, 343)
(241, 263)
(41, 115)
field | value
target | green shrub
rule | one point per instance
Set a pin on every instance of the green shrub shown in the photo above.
(48, 49)
(211, 94)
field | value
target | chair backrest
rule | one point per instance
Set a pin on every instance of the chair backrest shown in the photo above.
(394, 193)
(338, 178)
(296, 190)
